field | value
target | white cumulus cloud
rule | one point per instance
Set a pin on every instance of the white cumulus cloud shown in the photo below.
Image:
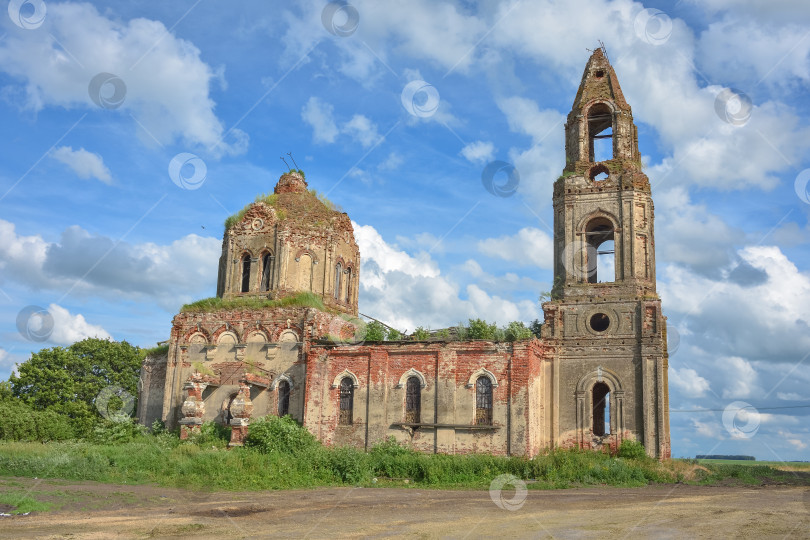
(479, 152)
(167, 84)
(69, 328)
(85, 164)
(530, 246)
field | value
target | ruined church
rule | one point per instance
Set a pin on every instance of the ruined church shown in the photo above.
(597, 375)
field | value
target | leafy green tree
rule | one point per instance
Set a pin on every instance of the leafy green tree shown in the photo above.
(480, 329)
(420, 334)
(516, 331)
(67, 380)
(375, 331)
(536, 326)
(393, 335)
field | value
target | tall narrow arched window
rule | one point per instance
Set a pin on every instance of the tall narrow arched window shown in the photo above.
(338, 272)
(349, 278)
(600, 133)
(413, 401)
(246, 273)
(267, 271)
(283, 398)
(483, 401)
(601, 252)
(601, 410)
(346, 401)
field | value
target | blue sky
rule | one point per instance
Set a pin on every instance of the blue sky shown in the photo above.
(94, 229)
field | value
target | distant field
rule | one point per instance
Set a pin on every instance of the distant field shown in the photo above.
(782, 465)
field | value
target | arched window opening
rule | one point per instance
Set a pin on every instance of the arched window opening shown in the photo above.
(600, 133)
(246, 273)
(601, 252)
(267, 271)
(483, 401)
(346, 401)
(606, 262)
(601, 409)
(283, 398)
(338, 272)
(413, 401)
(349, 285)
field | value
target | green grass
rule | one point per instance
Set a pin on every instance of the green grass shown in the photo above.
(23, 502)
(268, 198)
(195, 467)
(797, 465)
(157, 351)
(215, 303)
(280, 454)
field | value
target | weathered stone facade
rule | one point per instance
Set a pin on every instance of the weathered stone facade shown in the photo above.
(295, 244)
(597, 376)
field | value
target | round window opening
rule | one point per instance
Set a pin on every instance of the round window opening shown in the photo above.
(599, 74)
(600, 322)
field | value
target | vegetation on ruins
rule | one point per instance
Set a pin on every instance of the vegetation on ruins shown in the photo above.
(307, 203)
(269, 199)
(280, 454)
(51, 426)
(301, 299)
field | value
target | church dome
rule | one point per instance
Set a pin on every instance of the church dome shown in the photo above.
(292, 241)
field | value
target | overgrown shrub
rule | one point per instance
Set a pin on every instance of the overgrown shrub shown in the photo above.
(375, 331)
(284, 435)
(632, 450)
(349, 465)
(420, 334)
(393, 335)
(211, 434)
(516, 331)
(19, 422)
(481, 329)
(123, 431)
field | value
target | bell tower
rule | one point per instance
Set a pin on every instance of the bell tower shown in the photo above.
(605, 312)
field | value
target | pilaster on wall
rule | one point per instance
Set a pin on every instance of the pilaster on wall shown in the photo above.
(446, 401)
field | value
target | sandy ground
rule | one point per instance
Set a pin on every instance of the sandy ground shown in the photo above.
(93, 510)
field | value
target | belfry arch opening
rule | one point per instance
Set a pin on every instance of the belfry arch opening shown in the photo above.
(601, 409)
(599, 234)
(600, 133)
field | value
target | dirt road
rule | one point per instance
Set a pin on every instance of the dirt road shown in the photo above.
(92, 510)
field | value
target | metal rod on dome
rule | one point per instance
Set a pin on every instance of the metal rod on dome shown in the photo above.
(285, 163)
(293, 159)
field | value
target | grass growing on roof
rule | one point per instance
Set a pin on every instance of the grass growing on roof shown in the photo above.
(269, 199)
(215, 303)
